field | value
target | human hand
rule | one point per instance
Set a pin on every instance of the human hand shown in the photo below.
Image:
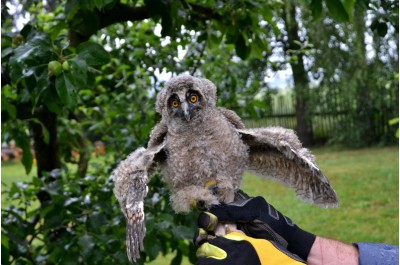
(237, 248)
(259, 219)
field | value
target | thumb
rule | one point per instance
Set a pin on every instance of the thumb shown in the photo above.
(211, 251)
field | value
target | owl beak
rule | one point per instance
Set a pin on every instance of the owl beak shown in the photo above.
(186, 112)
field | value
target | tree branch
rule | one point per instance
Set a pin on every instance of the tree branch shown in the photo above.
(119, 13)
(205, 12)
(123, 12)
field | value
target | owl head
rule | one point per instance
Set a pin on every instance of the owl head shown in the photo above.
(184, 97)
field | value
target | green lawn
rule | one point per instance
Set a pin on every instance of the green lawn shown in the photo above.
(366, 181)
(367, 184)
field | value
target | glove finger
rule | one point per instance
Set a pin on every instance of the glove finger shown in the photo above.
(201, 237)
(217, 247)
(208, 250)
(240, 211)
(228, 250)
(207, 221)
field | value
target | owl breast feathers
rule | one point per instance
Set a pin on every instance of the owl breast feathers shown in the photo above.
(203, 150)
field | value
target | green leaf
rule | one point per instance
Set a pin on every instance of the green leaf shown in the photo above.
(202, 37)
(86, 243)
(182, 232)
(259, 45)
(24, 142)
(28, 60)
(8, 92)
(65, 87)
(5, 250)
(337, 10)
(71, 8)
(42, 83)
(167, 25)
(178, 258)
(22, 261)
(54, 218)
(11, 109)
(92, 53)
(52, 100)
(6, 52)
(394, 121)
(102, 3)
(242, 50)
(34, 51)
(349, 7)
(152, 250)
(27, 30)
(79, 68)
(316, 9)
(380, 27)
(45, 132)
(232, 36)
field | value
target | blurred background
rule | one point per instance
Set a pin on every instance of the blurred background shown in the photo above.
(79, 81)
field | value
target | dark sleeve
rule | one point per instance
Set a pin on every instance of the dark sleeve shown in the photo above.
(377, 254)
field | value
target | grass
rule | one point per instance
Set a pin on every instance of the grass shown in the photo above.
(13, 171)
(366, 181)
(367, 185)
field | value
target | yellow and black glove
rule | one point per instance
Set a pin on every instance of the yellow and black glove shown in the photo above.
(259, 219)
(237, 248)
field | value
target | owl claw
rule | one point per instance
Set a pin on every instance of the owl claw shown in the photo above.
(201, 205)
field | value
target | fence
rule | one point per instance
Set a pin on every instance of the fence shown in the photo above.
(328, 125)
(324, 125)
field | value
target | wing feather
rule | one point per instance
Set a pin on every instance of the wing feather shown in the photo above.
(131, 177)
(232, 117)
(276, 153)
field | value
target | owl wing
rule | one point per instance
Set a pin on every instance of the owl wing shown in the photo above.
(276, 153)
(131, 177)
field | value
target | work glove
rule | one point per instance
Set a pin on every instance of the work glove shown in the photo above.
(237, 248)
(259, 219)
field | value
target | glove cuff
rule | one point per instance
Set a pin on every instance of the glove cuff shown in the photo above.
(301, 243)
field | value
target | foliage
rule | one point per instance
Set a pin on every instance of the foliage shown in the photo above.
(361, 86)
(395, 121)
(82, 222)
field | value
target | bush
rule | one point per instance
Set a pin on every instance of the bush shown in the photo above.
(81, 222)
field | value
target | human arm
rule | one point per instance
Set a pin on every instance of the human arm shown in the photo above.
(375, 253)
(328, 251)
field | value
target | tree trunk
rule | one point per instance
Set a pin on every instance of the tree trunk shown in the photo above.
(47, 154)
(300, 79)
(364, 108)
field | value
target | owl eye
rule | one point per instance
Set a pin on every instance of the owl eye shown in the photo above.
(193, 98)
(175, 103)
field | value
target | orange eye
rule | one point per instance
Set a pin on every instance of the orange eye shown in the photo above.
(193, 98)
(175, 103)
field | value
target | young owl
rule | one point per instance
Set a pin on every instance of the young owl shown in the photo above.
(202, 151)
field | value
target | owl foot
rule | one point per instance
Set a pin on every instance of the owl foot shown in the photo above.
(192, 196)
(225, 191)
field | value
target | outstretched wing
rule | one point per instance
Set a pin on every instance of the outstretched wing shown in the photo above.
(232, 118)
(131, 178)
(276, 153)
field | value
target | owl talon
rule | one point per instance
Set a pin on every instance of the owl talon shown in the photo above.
(201, 206)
